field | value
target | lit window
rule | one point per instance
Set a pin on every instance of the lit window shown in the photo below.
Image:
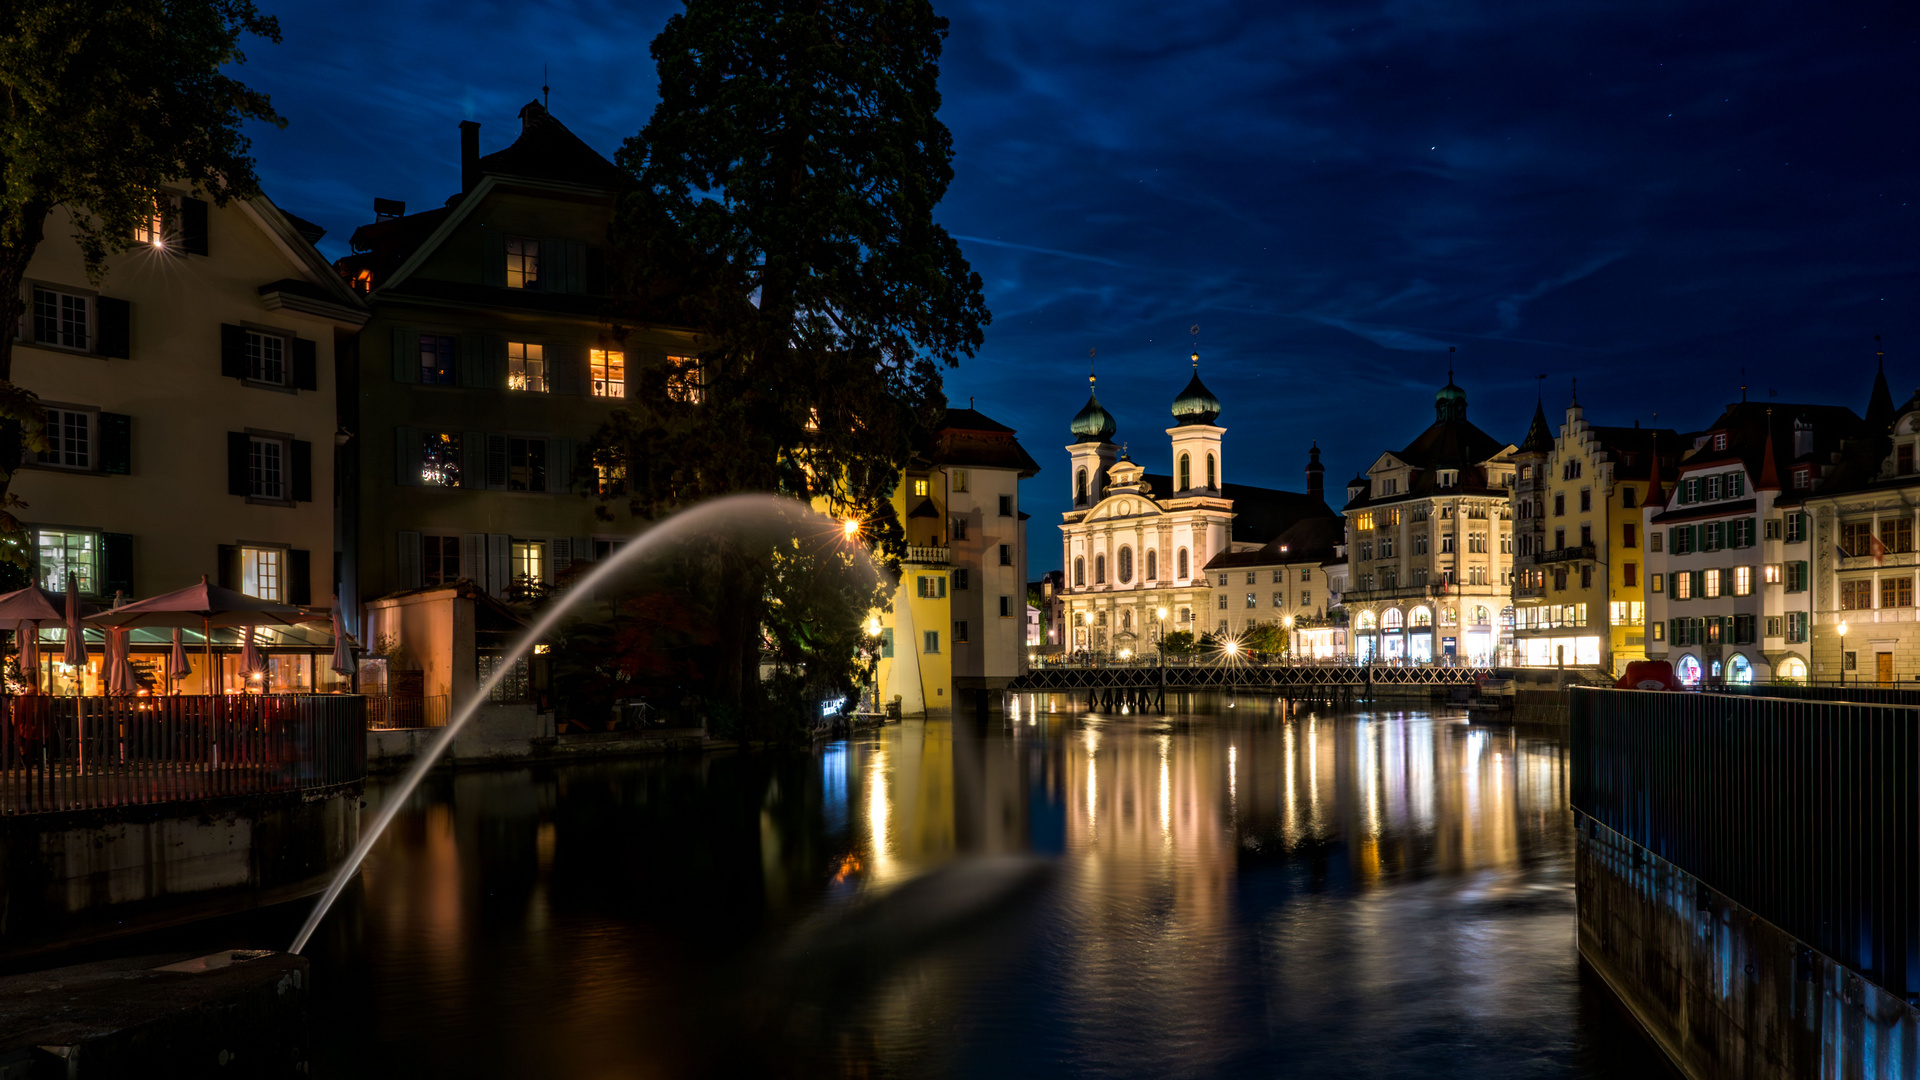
(609, 372)
(610, 479)
(69, 435)
(436, 359)
(261, 572)
(920, 488)
(960, 481)
(1743, 581)
(526, 367)
(151, 229)
(63, 551)
(685, 379)
(266, 468)
(1771, 573)
(523, 263)
(59, 318)
(528, 561)
(440, 459)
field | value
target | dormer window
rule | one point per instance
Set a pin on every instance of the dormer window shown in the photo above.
(1802, 478)
(1447, 478)
(1719, 440)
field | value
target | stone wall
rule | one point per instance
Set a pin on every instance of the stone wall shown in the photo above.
(1726, 994)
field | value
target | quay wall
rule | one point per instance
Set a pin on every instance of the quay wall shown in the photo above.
(1726, 994)
(77, 876)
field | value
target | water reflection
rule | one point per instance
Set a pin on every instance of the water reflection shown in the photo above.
(1220, 892)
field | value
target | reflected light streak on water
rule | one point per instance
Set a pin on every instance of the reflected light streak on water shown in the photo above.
(1354, 897)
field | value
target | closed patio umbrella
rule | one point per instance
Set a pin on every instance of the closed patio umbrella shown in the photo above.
(120, 678)
(27, 637)
(251, 662)
(342, 648)
(177, 666)
(76, 650)
(202, 607)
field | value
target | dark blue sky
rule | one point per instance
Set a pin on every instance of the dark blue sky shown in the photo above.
(1647, 195)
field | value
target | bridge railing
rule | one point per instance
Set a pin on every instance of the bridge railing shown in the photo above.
(1805, 812)
(65, 753)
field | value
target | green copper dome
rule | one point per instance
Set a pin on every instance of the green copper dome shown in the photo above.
(1450, 403)
(1196, 404)
(1093, 423)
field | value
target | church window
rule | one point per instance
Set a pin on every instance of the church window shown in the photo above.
(1186, 471)
(1080, 573)
(1153, 569)
(1182, 561)
(1080, 487)
(1211, 485)
(1126, 565)
(1099, 569)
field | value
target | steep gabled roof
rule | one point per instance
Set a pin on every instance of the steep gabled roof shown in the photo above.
(546, 150)
(1259, 514)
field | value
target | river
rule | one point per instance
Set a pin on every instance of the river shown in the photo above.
(1218, 893)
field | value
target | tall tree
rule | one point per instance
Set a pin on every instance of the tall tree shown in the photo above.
(783, 205)
(105, 102)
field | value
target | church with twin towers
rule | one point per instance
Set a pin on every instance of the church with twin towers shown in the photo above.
(1146, 554)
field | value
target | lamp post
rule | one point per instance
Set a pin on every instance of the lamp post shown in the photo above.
(1843, 654)
(1162, 614)
(1288, 623)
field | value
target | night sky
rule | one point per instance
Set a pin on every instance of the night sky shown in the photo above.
(1647, 196)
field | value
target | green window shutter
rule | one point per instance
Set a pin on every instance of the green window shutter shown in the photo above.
(233, 351)
(406, 356)
(116, 443)
(493, 257)
(299, 576)
(229, 567)
(886, 642)
(473, 459)
(1736, 484)
(113, 319)
(406, 456)
(473, 361)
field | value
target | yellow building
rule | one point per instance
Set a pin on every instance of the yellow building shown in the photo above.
(1579, 584)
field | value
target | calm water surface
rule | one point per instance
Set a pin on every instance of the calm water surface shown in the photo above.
(1224, 892)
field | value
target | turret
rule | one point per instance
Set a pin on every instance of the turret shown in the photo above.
(1197, 465)
(1450, 403)
(1316, 473)
(1092, 450)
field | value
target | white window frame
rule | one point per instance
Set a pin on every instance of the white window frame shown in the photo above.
(258, 345)
(263, 571)
(56, 433)
(264, 451)
(527, 372)
(601, 363)
(88, 328)
(92, 568)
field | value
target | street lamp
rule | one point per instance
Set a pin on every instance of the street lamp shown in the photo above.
(1843, 653)
(1288, 623)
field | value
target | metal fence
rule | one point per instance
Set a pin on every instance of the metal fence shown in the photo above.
(1805, 812)
(387, 711)
(1858, 693)
(66, 753)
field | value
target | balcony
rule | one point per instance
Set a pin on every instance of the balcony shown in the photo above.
(928, 556)
(1403, 592)
(1570, 554)
(1527, 592)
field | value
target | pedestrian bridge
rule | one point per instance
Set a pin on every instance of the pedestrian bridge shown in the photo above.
(1281, 678)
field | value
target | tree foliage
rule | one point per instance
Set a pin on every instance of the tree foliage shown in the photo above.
(782, 206)
(105, 102)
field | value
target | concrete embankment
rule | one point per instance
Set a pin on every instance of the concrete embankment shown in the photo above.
(1726, 994)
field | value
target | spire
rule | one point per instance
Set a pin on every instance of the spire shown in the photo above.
(1656, 495)
(1880, 402)
(1539, 438)
(1769, 474)
(1316, 472)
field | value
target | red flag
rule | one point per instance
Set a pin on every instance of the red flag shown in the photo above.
(1879, 549)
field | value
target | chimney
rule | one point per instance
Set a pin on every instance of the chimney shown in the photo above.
(1802, 439)
(469, 155)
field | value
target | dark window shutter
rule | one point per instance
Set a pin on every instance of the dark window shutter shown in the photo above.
(566, 364)
(306, 364)
(493, 257)
(559, 465)
(229, 569)
(238, 476)
(596, 283)
(302, 471)
(233, 351)
(473, 459)
(410, 559)
(299, 576)
(114, 320)
(116, 550)
(116, 443)
(473, 361)
(553, 266)
(497, 461)
(496, 350)
(576, 267)
(406, 356)
(193, 226)
(406, 456)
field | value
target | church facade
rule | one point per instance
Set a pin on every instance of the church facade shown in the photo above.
(1137, 546)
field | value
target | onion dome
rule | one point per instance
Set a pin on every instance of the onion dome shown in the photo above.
(1093, 423)
(1450, 403)
(1196, 404)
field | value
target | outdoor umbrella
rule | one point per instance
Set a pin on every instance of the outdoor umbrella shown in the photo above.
(32, 602)
(202, 607)
(120, 679)
(76, 651)
(251, 662)
(177, 666)
(342, 648)
(27, 636)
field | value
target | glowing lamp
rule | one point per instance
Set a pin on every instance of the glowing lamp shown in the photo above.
(850, 528)
(873, 626)
(1233, 648)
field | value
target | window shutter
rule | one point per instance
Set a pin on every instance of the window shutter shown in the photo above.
(238, 478)
(299, 576)
(113, 321)
(582, 549)
(473, 361)
(406, 456)
(565, 364)
(496, 371)
(409, 564)
(233, 351)
(497, 462)
(193, 225)
(116, 551)
(596, 271)
(303, 471)
(559, 558)
(473, 558)
(306, 364)
(553, 266)
(493, 257)
(499, 553)
(559, 465)
(116, 443)
(406, 356)
(473, 459)
(576, 268)
(229, 569)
